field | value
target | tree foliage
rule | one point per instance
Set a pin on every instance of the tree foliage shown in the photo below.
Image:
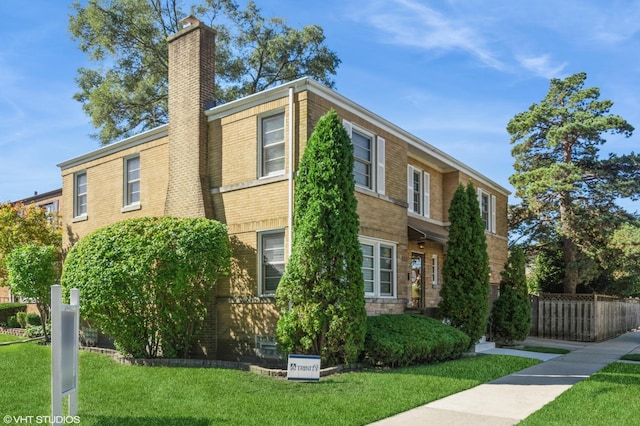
(321, 295)
(126, 91)
(511, 312)
(465, 272)
(147, 281)
(568, 189)
(33, 269)
(21, 225)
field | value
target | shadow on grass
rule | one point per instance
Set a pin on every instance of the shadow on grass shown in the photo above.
(146, 421)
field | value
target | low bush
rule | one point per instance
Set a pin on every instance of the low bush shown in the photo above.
(10, 309)
(34, 331)
(12, 322)
(402, 340)
(33, 319)
(21, 317)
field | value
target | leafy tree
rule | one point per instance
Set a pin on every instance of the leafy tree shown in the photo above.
(624, 258)
(511, 312)
(321, 295)
(127, 40)
(465, 272)
(32, 271)
(147, 281)
(21, 225)
(568, 190)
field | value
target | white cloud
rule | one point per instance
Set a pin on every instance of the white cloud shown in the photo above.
(411, 23)
(542, 65)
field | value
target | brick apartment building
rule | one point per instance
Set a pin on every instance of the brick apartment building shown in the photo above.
(236, 163)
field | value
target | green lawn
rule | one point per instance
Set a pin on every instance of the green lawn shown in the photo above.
(113, 394)
(9, 338)
(631, 357)
(609, 397)
(544, 349)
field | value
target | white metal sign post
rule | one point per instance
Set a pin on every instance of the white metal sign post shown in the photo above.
(65, 321)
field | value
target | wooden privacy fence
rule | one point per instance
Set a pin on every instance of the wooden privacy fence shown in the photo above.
(582, 317)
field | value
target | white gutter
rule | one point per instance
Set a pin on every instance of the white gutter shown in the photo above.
(291, 153)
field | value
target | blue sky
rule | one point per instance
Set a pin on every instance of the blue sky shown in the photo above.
(451, 72)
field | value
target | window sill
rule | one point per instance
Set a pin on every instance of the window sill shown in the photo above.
(80, 218)
(130, 208)
(381, 299)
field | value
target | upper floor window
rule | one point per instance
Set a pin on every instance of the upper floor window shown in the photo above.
(418, 191)
(132, 181)
(378, 267)
(271, 252)
(271, 155)
(362, 158)
(487, 210)
(368, 158)
(80, 194)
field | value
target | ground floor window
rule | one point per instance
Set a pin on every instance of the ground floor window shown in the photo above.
(378, 267)
(271, 255)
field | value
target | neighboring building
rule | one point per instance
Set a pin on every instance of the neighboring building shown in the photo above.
(236, 163)
(49, 201)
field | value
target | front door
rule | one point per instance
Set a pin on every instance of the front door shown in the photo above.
(417, 282)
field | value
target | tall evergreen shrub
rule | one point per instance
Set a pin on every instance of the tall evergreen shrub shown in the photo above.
(465, 272)
(511, 313)
(321, 295)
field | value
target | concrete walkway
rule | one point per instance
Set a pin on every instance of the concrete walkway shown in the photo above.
(512, 398)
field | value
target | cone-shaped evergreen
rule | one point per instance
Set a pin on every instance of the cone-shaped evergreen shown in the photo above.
(511, 313)
(321, 295)
(465, 272)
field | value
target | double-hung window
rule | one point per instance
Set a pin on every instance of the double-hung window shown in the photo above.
(368, 158)
(271, 155)
(487, 210)
(378, 267)
(362, 158)
(418, 191)
(132, 181)
(271, 249)
(80, 194)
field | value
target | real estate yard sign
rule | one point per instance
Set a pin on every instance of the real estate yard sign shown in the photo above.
(64, 352)
(303, 367)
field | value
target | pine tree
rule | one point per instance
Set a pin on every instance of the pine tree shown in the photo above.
(465, 292)
(569, 189)
(321, 295)
(511, 313)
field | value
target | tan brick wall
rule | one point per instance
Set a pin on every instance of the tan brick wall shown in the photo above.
(105, 189)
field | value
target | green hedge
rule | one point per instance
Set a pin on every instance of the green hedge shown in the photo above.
(10, 310)
(402, 340)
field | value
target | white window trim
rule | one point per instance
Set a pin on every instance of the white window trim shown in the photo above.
(76, 215)
(126, 205)
(424, 191)
(378, 157)
(261, 276)
(376, 243)
(491, 223)
(260, 166)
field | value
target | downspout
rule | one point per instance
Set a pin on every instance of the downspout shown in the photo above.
(291, 153)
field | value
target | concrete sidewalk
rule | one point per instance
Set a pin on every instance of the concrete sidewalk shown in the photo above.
(512, 398)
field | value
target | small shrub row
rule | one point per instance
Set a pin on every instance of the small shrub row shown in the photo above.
(402, 340)
(10, 310)
(23, 320)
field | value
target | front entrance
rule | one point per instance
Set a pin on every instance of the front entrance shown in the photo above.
(417, 281)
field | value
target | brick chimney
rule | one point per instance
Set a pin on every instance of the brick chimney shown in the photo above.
(191, 90)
